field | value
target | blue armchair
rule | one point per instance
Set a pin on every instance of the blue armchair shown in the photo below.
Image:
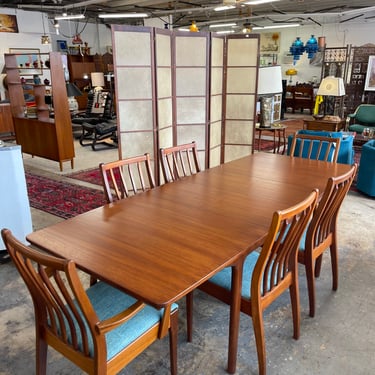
(363, 117)
(366, 171)
(346, 152)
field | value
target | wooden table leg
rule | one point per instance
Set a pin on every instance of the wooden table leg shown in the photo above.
(260, 135)
(284, 140)
(274, 141)
(235, 309)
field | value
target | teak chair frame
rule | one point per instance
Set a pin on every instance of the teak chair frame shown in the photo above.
(276, 261)
(127, 176)
(179, 161)
(321, 233)
(311, 141)
(65, 318)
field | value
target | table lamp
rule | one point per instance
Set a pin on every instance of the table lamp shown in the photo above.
(331, 87)
(97, 81)
(269, 84)
(290, 73)
(72, 91)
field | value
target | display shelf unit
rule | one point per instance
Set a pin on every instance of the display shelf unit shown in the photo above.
(46, 137)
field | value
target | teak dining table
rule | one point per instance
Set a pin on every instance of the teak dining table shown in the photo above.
(162, 244)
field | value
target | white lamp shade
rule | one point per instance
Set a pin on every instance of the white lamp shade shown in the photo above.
(270, 80)
(331, 86)
(97, 79)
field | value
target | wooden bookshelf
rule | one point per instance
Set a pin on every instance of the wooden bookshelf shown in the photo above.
(46, 137)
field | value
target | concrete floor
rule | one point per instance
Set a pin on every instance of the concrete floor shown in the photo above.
(339, 340)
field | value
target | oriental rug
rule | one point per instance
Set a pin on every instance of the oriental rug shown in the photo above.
(61, 198)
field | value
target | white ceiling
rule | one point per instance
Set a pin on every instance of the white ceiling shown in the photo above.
(305, 12)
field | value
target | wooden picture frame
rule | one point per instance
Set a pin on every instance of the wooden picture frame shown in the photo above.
(28, 60)
(370, 75)
(269, 43)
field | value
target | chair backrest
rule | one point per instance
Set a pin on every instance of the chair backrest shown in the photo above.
(127, 177)
(63, 312)
(278, 258)
(324, 221)
(315, 147)
(179, 161)
(365, 114)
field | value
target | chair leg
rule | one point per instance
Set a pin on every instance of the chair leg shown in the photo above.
(318, 265)
(294, 299)
(335, 267)
(173, 330)
(189, 316)
(41, 354)
(259, 338)
(309, 265)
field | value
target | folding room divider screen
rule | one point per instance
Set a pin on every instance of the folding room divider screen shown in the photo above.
(174, 87)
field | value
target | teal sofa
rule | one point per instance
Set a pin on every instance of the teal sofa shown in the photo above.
(346, 152)
(362, 118)
(366, 170)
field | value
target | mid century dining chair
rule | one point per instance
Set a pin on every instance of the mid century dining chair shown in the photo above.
(268, 273)
(127, 177)
(100, 329)
(315, 147)
(179, 161)
(321, 233)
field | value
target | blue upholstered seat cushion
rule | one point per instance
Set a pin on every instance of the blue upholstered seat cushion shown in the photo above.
(346, 152)
(224, 277)
(107, 302)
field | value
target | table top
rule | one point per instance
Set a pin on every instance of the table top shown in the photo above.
(161, 244)
(272, 127)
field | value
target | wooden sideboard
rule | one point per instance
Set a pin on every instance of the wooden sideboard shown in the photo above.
(6, 122)
(332, 126)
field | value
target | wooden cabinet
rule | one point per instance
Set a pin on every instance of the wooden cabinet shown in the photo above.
(6, 122)
(49, 138)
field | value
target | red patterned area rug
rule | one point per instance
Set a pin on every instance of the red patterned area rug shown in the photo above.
(91, 176)
(61, 198)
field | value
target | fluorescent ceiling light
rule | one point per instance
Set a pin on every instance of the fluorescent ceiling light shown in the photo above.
(256, 2)
(276, 26)
(225, 32)
(223, 25)
(123, 15)
(224, 7)
(70, 17)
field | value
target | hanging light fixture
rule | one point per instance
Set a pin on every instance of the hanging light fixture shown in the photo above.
(297, 49)
(45, 39)
(311, 47)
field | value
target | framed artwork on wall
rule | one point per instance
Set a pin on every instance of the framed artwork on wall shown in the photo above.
(269, 42)
(28, 60)
(370, 75)
(8, 23)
